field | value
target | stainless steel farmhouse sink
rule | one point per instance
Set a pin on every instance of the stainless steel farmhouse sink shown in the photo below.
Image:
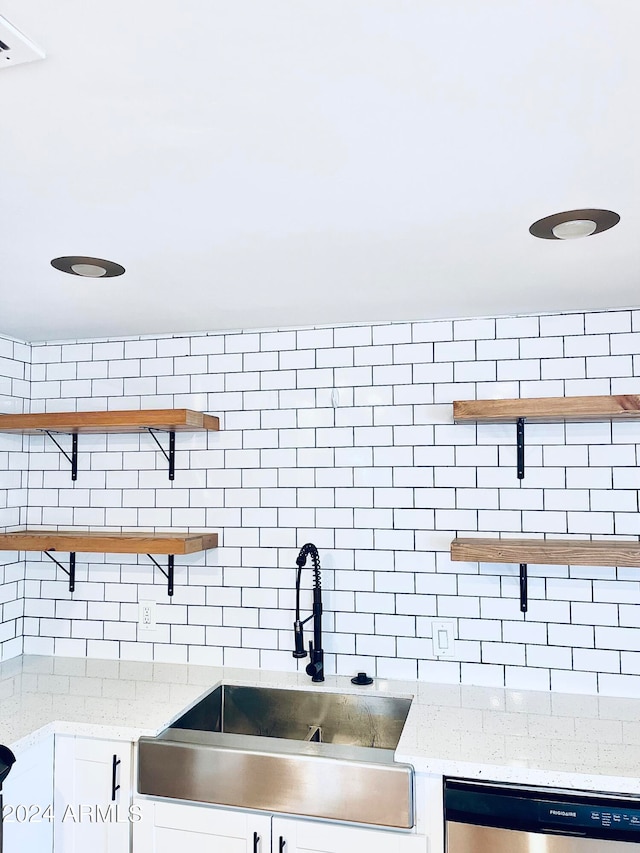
(326, 755)
(300, 715)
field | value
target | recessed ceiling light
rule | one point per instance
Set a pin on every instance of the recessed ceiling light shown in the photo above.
(574, 223)
(90, 270)
(87, 267)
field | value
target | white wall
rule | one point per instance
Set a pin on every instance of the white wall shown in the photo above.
(381, 483)
(15, 366)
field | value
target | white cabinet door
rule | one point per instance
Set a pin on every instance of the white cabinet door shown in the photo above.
(306, 836)
(168, 827)
(92, 795)
(28, 801)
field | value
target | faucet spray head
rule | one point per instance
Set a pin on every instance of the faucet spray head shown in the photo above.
(300, 651)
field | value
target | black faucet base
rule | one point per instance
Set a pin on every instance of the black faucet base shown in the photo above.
(316, 668)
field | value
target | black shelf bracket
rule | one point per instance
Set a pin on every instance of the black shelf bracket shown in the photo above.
(520, 447)
(169, 573)
(171, 455)
(71, 571)
(523, 588)
(73, 459)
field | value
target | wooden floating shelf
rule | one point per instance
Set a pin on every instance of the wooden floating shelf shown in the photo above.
(562, 552)
(127, 421)
(108, 543)
(548, 409)
(49, 541)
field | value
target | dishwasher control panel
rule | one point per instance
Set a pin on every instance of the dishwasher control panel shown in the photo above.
(578, 816)
(542, 810)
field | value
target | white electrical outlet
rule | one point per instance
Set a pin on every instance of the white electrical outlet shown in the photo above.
(147, 615)
(444, 635)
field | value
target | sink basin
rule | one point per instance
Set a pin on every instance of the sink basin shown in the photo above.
(355, 720)
(303, 752)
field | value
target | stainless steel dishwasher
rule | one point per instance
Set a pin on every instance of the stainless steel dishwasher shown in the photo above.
(483, 817)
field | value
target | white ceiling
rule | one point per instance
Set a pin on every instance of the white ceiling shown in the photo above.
(258, 163)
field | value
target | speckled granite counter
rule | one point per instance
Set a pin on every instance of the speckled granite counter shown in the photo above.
(525, 737)
(100, 698)
(554, 739)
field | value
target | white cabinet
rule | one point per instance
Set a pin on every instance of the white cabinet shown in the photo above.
(92, 795)
(28, 801)
(165, 825)
(292, 835)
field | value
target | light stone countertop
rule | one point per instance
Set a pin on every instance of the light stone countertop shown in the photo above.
(526, 737)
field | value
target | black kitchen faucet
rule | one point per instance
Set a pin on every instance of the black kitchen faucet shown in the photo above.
(316, 667)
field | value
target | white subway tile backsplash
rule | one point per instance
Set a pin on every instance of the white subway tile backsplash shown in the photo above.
(522, 369)
(618, 638)
(142, 387)
(541, 388)
(500, 349)
(395, 333)
(138, 349)
(479, 629)
(596, 660)
(475, 371)
(517, 327)
(562, 324)
(242, 342)
(616, 501)
(594, 614)
(451, 351)
(170, 346)
(573, 682)
(588, 478)
(394, 540)
(248, 381)
(609, 366)
(373, 355)
(590, 522)
(576, 635)
(351, 336)
(587, 345)
(564, 368)
(457, 605)
(512, 654)
(544, 348)
(370, 476)
(275, 341)
(483, 675)
(588, 387)
(416, 353)
(621, 455)
(607, 321)
(557, 657)
(474, 329)
(544, 522)
(399, 668)
(153, 367)
(337, 357)
(566, 499)
(625, 344)
(399, 374)
(297, 360)
(433, 331)
(433, 373)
